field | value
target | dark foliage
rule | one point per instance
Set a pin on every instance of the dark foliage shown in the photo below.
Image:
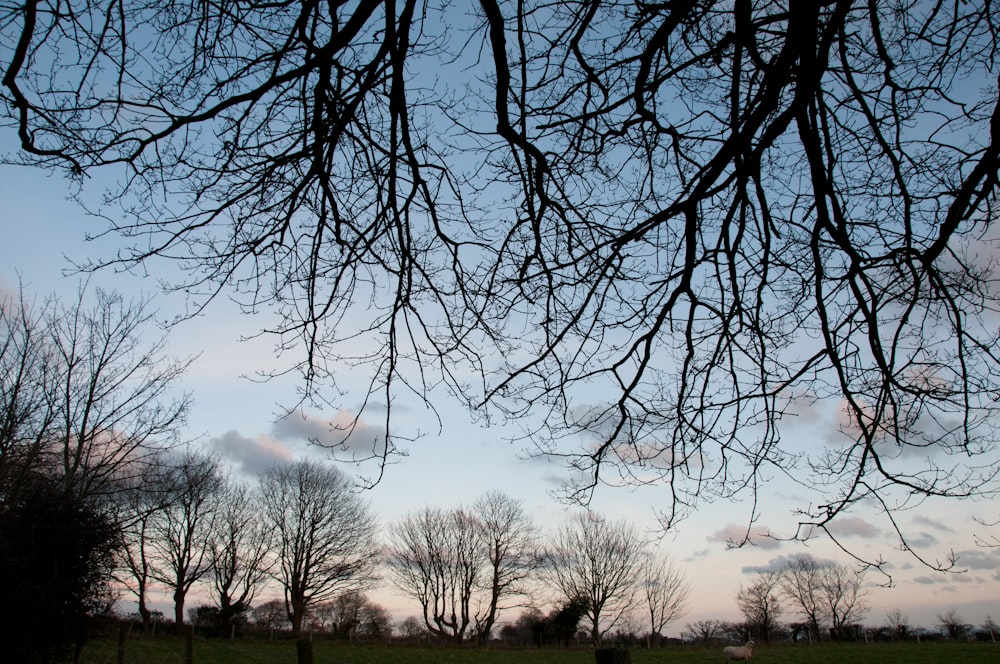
(560, 626)
(217, 622)
(55, 564)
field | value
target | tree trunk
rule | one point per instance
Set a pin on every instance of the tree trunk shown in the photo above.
(144, 613)
(295, 615)
(178, 609)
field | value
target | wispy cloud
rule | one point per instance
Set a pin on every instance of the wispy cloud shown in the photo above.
(932, 523)
(700, 554)
(853, 526)
(783, 562)
(927, 580)
(981, 559)
(921, 540)
(734, 535)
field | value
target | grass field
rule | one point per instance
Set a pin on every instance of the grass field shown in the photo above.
(167, 651)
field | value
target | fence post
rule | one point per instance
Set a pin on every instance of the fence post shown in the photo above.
(304, 650)
(189, 645)
(122, 633)
(612, 656)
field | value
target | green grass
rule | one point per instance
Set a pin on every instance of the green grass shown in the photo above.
(171, 651)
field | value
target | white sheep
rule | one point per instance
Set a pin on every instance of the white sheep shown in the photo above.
(738, 652)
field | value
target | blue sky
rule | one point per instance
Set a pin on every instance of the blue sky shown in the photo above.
(239, 418)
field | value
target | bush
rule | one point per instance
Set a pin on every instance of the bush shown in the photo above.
(55, 569)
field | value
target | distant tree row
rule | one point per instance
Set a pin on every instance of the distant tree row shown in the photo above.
(351, 614)
(830, 601)
(896, 627)
(305, 529)
(827, 596)
(302, 526)
(464, 567)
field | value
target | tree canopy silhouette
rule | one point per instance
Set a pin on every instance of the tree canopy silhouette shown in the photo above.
(652, 229)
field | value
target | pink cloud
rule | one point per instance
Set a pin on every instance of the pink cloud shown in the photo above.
(853, 526)
(252, 455)
(734, 535)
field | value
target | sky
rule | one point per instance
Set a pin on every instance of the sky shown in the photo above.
(241, 419)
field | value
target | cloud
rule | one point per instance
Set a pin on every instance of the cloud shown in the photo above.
(921, 541)
(344, 433)
(927, 580)
(947, 582)
(931, 523)
(7, 291)
(805, 408)
(926, 437)
(984, 559)
(734, 535)
(251, 455)
(853, 526)
(784, 562)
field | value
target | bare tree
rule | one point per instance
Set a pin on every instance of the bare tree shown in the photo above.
(990, 540)
(239, 547)
(990, 628)
(465, 566)
(352, 614)
(704, 631)
(510, 540)
(598, 563)
(139, 505)
(374, 621)
(844, 599)
(411, 627)
(898, 624)
(825, 594)
(270, 614)
(27, 388)
(116, 406)
(952, 624)
(86, 408)
(437, 557)
(134, 568)
(340, 615)
(802, 584)
(180, 531)
(760, 603)
(324, 535)
(665, 590)
(703, 212)
(86, 397)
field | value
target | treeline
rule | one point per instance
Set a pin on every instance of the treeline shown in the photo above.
(823, 601)
(303, 532)
(99, 503)
(895, 628)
